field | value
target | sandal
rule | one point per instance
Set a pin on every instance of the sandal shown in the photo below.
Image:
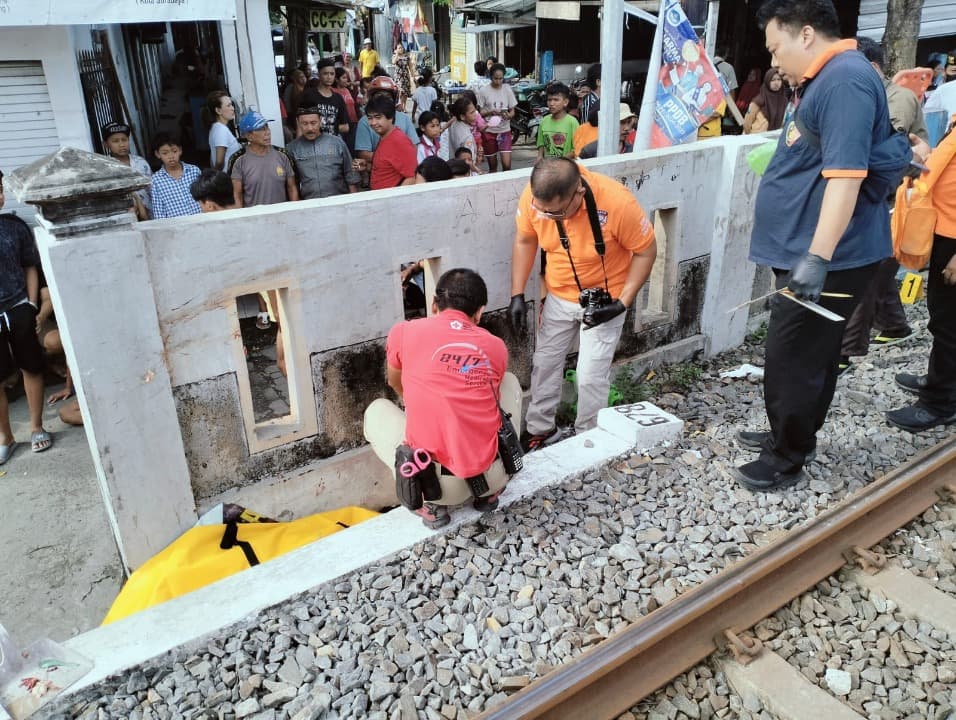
(38, 439)
(6, 451)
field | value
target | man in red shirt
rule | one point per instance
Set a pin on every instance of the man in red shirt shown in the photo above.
(451, 375)
(395, 159)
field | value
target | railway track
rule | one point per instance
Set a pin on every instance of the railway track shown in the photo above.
(613, 676)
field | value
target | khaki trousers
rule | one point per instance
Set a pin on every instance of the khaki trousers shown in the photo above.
(560, 322)
(384, 429)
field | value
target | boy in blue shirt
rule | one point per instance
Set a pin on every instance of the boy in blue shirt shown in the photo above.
(170, 184)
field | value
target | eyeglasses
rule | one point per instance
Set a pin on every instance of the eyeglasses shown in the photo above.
(550, 215)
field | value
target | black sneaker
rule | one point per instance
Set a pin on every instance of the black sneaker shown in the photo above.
(916, 418)
(530, 443)
(911, 383)
(487, 503)
(757, 440)
(753, 439)
(843, 365)
(434, 516)
(886, 339)
(759, 476)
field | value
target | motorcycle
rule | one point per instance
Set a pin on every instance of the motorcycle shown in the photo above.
(532, 106)
(436, 81)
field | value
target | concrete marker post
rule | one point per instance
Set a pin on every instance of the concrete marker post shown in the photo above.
(91, 253)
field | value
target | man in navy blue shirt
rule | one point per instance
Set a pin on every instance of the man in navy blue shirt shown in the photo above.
(822, 236)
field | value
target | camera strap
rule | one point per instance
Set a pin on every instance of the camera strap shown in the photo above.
(591, 205)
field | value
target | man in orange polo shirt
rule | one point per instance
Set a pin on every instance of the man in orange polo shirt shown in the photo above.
(600, 250)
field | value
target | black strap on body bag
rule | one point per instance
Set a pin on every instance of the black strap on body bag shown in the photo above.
(230, 539)
(596, 231)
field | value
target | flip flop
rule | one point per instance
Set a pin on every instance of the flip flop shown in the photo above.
(6, 451)
(40, 436)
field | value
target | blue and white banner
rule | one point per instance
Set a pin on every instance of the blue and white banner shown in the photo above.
(689, 89)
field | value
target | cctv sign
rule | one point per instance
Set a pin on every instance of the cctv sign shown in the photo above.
(327, 20)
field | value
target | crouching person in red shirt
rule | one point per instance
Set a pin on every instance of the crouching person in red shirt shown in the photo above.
(451, 375)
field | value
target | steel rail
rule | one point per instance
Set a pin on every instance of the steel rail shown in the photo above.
(611, 677)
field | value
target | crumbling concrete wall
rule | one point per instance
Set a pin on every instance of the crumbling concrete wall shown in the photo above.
(336, 265)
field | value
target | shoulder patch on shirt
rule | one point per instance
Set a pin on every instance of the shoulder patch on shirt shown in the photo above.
(793, 133)
(602, 217)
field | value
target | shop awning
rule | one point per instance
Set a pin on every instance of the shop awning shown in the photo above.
(95, 12)
(495, 27)
(501, 7)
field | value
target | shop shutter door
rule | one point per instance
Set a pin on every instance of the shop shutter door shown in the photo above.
(27, 128)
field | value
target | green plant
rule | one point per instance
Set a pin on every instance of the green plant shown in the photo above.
(759, 335)
(677, 378)
(566, 415)
(632, 389)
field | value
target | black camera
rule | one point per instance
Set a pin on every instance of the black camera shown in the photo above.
(594, 298)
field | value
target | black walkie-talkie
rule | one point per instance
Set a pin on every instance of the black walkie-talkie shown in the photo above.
(509, 444)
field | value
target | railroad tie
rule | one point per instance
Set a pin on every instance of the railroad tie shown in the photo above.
(913, 595)
(784, 690)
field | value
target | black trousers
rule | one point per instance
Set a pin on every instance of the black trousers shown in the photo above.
(802, 355)
(939, 395)
(879, 306)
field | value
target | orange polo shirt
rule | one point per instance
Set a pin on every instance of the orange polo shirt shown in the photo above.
(625, 227)
(584, 135)
(944, 191)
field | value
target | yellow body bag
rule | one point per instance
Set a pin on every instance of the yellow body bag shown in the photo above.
(197, 557)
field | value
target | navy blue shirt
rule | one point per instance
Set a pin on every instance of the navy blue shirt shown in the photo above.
(17, 251)
(844, 105)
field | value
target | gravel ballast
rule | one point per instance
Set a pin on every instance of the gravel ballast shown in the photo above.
(450, 627)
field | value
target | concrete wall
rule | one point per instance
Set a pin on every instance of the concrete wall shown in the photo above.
(165, 390)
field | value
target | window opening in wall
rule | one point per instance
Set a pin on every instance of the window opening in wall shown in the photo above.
(264, 347)
(413, 289)
(658, 292)
(418, 286)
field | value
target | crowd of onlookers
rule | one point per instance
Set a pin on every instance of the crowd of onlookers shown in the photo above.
(348, 125)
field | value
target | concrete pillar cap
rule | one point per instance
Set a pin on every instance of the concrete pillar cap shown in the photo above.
(69, 174)
(77, 192)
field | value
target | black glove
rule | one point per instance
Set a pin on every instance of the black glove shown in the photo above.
(807, 277)
(597, 316)
(518, 312)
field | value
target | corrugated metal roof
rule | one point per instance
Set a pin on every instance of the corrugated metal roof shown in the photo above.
(939, 19)
(496, 27)
(503, 7)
